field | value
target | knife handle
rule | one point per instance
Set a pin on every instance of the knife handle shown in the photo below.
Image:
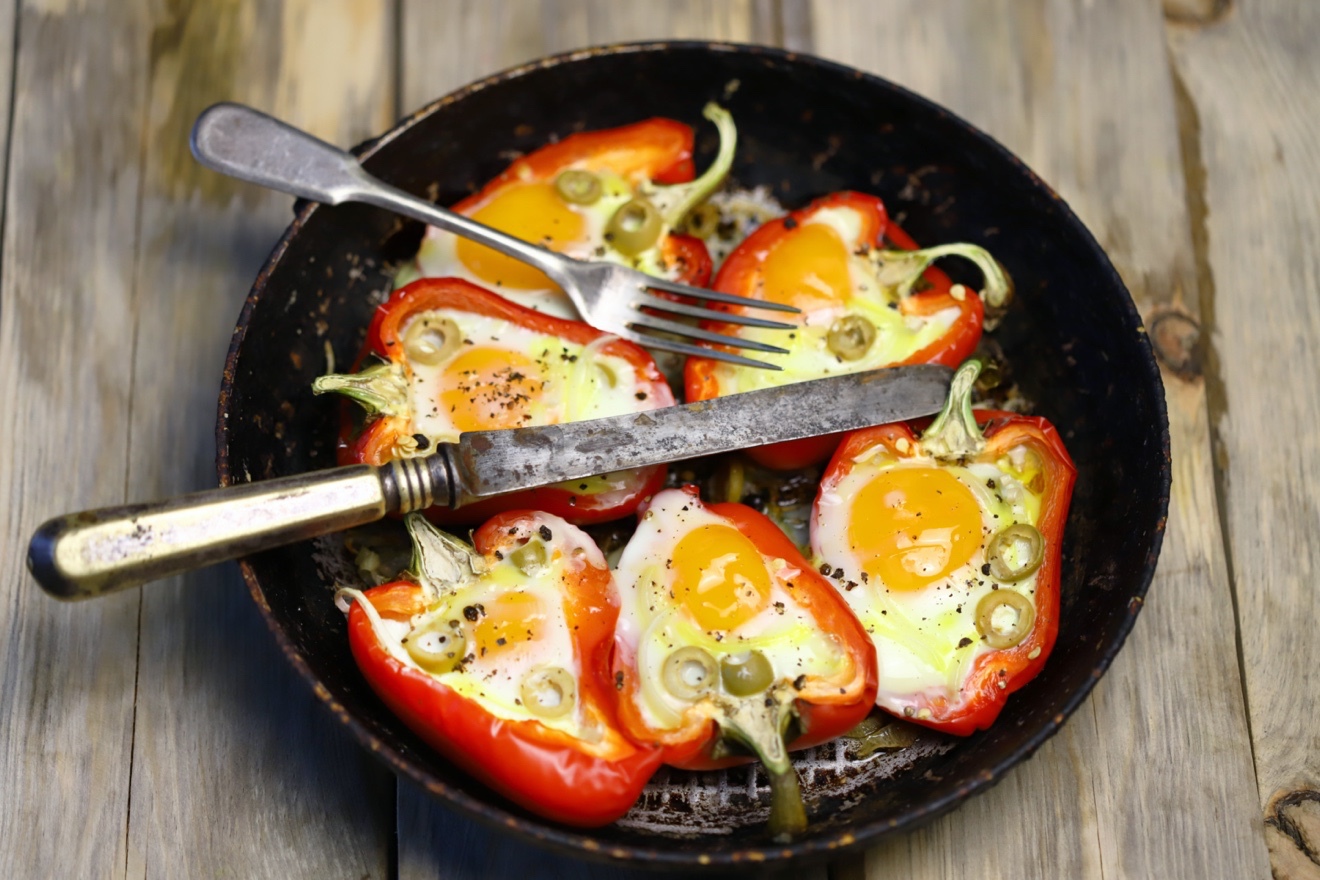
(89, 554)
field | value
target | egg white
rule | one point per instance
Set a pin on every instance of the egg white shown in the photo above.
(494, 680)
(651, 625)
(809, 356)
(917, 634)
(580, 381)
(438, 255)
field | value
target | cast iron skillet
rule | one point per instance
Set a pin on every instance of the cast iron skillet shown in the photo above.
(806, 128)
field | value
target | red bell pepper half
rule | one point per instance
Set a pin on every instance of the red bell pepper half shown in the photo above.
(499, 659)
(730, 647)
(855, 276)
(617, 194)
(947, 546)
(453, 357)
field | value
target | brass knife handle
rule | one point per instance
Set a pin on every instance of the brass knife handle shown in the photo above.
(89, 554)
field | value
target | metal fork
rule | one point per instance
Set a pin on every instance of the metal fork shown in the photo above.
(247, 144)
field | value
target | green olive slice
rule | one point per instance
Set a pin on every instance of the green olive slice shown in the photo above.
(578, 187)
(1004, 617)
(549, 691)
(634, 228)
(530, 557)
(1015, 553)
(702, 221)
(430, 340)
(746, 673)
(851, 337)
(436, 649)
(690, 673)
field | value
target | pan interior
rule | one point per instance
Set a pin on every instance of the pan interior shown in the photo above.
(806, 128)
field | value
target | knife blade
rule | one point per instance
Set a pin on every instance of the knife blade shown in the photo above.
(82, 555)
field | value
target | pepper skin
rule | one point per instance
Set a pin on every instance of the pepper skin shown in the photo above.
(894, 505)
(730, 643)
(571, 364)
(648, 163)
(545, 769)
(858, 307)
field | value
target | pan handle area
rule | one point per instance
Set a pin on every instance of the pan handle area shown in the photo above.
(96, 552)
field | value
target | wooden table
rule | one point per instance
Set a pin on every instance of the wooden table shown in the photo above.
(160, 733)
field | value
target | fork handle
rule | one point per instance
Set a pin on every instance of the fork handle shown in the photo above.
(247, 144)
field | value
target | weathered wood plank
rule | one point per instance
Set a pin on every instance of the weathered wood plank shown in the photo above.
(444, 48)
(66, 301)
(448, 45)
(1194, 11)
(1253, 86)
(1082, 93)
(236, 767)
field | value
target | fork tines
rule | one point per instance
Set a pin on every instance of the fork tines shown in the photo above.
(651, 301)
(666, 344)
(716, 296)
(646, 321)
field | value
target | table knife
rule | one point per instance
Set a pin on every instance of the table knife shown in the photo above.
(82, 555)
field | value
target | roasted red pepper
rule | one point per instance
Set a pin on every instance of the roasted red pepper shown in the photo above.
(616, 194)
(859, 310)
(499, 659)
(458, 358)
(947, 546)
(729, 644)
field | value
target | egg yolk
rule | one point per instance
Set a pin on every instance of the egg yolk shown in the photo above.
(720, 577)
(533, 212)
(808, 268)
(508, 621)
(913, 526)
(489, 388)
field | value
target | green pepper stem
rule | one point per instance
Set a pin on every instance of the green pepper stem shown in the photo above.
(441, 563)
(759, 722)
(954, 433)
(902, 269)
(675, 201)
(788, 814)
(381, 389)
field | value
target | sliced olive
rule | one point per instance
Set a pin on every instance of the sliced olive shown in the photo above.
(530, 557)
(578, 187)
(436, 649)
(549, 691)
(690, 673)
(1004, 617)
(746, 673)
(851, 337)
(1015, 553)
(635, 227)
(702, 221)
(430, 341)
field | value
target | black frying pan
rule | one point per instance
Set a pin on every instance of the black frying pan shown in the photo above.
(807, 127)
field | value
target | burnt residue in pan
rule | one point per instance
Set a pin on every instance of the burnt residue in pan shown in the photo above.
(1073, 342)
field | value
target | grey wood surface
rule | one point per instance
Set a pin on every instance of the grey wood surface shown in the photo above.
(161, 733)
(204, 653)
(1258, 223)
(66, 335)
